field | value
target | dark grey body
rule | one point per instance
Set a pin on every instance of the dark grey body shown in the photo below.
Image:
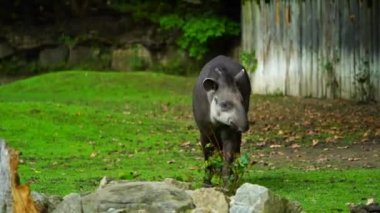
(217, 136)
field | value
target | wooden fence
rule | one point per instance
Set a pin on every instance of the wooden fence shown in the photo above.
(314, 48)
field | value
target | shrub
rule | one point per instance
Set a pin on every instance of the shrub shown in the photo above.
(197, 31)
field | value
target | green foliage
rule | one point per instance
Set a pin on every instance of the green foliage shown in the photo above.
(330, 75)
(363, 85)
(239, 168)
(197, 31)
(69, 41)
(144, 10)
(249, 61)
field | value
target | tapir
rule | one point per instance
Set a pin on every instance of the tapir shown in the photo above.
(220, 106)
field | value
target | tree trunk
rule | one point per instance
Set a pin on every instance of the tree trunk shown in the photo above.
(13, 196)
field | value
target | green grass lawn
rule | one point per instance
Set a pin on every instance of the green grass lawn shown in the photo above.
(75, 127)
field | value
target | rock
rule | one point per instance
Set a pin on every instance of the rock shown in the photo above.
(137, 197)
(53, 57)
(89, 57)
(178, 184)
(173, 60)
(136, 57)
(258, 199)
(71, 203)
(45, 203)
(370, 207)
(82, 56)
(209, 200)
(5, 50)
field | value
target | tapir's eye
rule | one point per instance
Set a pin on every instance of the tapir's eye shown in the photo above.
(226, 105)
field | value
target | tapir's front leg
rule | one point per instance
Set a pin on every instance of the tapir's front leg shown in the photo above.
(208, 151)
(231, 148)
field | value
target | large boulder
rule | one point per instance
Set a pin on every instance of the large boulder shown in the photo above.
(174, 61)
(6, 50)
(45, 203)
(209, 200)
(71, 203)
(53, 57)
(252, 198)
(135, 57)
(82, 55)
(137, 197)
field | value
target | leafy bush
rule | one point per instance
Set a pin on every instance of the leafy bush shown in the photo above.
(249, 61)
(239, 168)
(197, 31)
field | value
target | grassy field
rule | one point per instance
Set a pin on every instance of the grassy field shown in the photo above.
(75, 127)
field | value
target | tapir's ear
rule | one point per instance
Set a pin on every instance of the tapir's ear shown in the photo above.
(240, 74)
(210, 84)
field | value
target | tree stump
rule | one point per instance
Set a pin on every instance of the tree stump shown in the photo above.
(14, 198)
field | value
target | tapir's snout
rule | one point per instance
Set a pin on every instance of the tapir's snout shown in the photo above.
(240, 126)
(245, 128)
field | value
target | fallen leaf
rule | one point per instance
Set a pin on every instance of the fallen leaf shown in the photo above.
(273, 146)
(366, 134)
(194, 168)
(93, 154)
(295, 146)
(170, 161)
(315, 142)
(185, 144)
(261, 144)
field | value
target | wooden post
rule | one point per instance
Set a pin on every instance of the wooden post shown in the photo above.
(14, 198)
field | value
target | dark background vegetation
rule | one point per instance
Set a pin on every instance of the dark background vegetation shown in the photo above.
(177, 35)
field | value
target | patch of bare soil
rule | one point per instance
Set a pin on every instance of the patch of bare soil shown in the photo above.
(332, 156)
(313, 134)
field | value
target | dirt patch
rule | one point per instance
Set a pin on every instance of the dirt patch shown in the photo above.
(313, 134)
(332, 156)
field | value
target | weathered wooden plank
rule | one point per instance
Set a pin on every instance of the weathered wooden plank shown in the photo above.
(337, 43)
(306, 47)
(346, 56)
(292, 54)
(315, 47)
(356, 41)
(248, 20)
(337, 47)
(325, 47)
(376, 48)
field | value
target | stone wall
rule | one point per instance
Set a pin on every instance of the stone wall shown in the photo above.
(100, 43)
(167, 196)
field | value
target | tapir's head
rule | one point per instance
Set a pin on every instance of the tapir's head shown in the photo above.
(225, 99)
